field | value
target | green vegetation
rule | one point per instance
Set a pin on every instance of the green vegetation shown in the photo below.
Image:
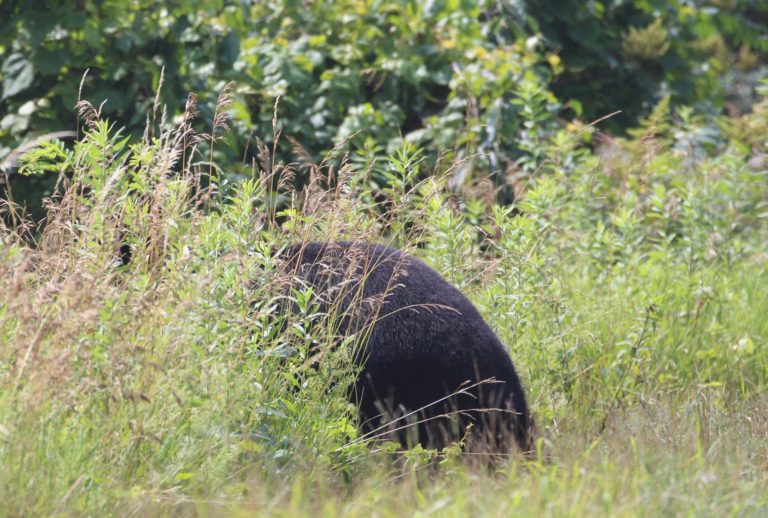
(630, 290)
(460, 79)
(626, 274)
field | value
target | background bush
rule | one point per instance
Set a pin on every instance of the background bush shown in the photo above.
(483, 81)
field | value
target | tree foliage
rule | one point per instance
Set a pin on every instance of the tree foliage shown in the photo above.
(473, 79)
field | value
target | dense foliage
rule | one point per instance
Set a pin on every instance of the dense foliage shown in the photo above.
(479, 80)
(629, 287)
(626, 55)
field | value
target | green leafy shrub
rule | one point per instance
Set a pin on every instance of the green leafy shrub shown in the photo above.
(482, 83)
(627, 56)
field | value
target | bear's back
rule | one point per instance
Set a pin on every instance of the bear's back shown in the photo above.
(423, 339)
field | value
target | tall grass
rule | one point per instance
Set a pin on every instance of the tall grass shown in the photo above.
(629, 287)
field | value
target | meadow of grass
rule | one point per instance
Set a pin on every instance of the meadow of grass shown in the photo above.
(629, 284)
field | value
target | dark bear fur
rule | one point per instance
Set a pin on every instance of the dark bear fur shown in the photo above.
(430, 366)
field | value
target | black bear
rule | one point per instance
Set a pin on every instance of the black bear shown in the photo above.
(431, 370)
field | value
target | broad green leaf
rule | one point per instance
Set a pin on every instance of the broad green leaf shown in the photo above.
(18, 74)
